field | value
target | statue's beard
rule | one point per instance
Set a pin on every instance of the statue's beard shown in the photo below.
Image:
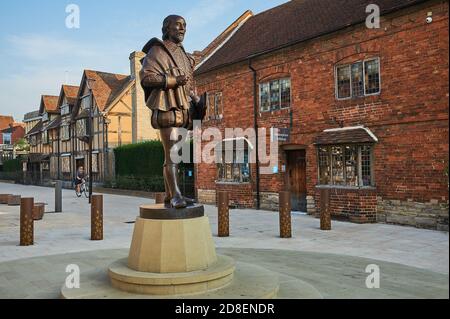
(177, 38)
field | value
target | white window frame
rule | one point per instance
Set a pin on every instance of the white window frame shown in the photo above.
(349, 65)
(10, 138)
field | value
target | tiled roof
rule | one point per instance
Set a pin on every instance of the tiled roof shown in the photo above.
(55, 123)
(106, 86)
(31, 115)
(347, 135)
(36, 129)
(71, 93)
(49, 104)
(294, 22)
(5, 121)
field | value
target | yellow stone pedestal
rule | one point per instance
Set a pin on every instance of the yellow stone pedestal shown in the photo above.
(171, 257)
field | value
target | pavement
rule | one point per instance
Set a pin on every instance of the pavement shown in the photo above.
(418, 252)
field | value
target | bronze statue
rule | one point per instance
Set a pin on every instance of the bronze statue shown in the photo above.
(168, 83)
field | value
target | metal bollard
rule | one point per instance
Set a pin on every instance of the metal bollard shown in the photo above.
(285, 214)
(159, 198)
(26, 222)
(224, 215)
(58, 197)
(325, 214)
(97, 217)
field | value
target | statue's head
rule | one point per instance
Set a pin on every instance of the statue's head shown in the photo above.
(174, 28)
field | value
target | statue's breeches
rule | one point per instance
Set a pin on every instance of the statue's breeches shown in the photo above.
(172, 118)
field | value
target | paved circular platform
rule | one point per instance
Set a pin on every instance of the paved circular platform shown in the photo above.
(249, 282)
(333, 275)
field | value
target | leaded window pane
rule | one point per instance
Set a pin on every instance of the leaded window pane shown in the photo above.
(357, 80)
(285, 85)
(372, 78)
(366, 174)
(343, 82)
(264, 97)
(351, 165)
(337, 157)
(275, 95)
(324, 166)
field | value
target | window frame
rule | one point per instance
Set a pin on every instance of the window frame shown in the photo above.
(349, 65)
(217, 110)
(359, 165)
(279, 94)
(224, 167)
(9, 137)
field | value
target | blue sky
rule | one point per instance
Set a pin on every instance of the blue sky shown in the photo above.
(39, 53)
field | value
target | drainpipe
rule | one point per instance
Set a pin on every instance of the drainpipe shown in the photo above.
(255, 126)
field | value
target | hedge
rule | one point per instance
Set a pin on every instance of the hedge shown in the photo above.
(140, 166)
(140, 159)
(12, 166)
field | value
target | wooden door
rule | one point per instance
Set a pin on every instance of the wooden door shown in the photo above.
(296, 179)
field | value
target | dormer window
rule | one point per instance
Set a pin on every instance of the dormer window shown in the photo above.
(45, 117)
(86, 102)
(65, 109)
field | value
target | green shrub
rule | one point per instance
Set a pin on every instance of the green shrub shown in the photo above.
(12, 166)
(141, 159)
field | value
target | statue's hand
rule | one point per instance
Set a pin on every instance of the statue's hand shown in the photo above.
(182, 80)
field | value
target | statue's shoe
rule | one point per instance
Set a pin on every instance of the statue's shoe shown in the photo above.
(189, 201)
(178, 202)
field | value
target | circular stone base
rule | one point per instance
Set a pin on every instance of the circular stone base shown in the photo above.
(217, 276)
(249, 282)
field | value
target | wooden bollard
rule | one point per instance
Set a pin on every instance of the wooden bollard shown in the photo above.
(4, 198)
(223, 223)
(26, 222)
(14, 200)
(97, 217)
(285, 214)
(38, 211)
(159, 198)
(325, 213)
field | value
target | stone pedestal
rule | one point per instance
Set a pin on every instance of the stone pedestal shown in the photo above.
(172, 253)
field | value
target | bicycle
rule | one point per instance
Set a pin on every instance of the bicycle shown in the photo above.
(84, 188)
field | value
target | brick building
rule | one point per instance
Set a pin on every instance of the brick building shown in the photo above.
(363, 112)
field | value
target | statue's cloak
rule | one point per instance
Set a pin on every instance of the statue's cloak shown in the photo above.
(160, 61)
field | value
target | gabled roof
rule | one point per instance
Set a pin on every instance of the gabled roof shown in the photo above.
(49, 104)
(31, 116)
(203, 55)
(70, 92)
(105, 87)
(294, 22)
(5, 121)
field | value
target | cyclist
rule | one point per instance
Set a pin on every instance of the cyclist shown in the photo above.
(79, 178)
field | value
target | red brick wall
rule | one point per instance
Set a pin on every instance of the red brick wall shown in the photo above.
(356, 205)
(409, 117)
